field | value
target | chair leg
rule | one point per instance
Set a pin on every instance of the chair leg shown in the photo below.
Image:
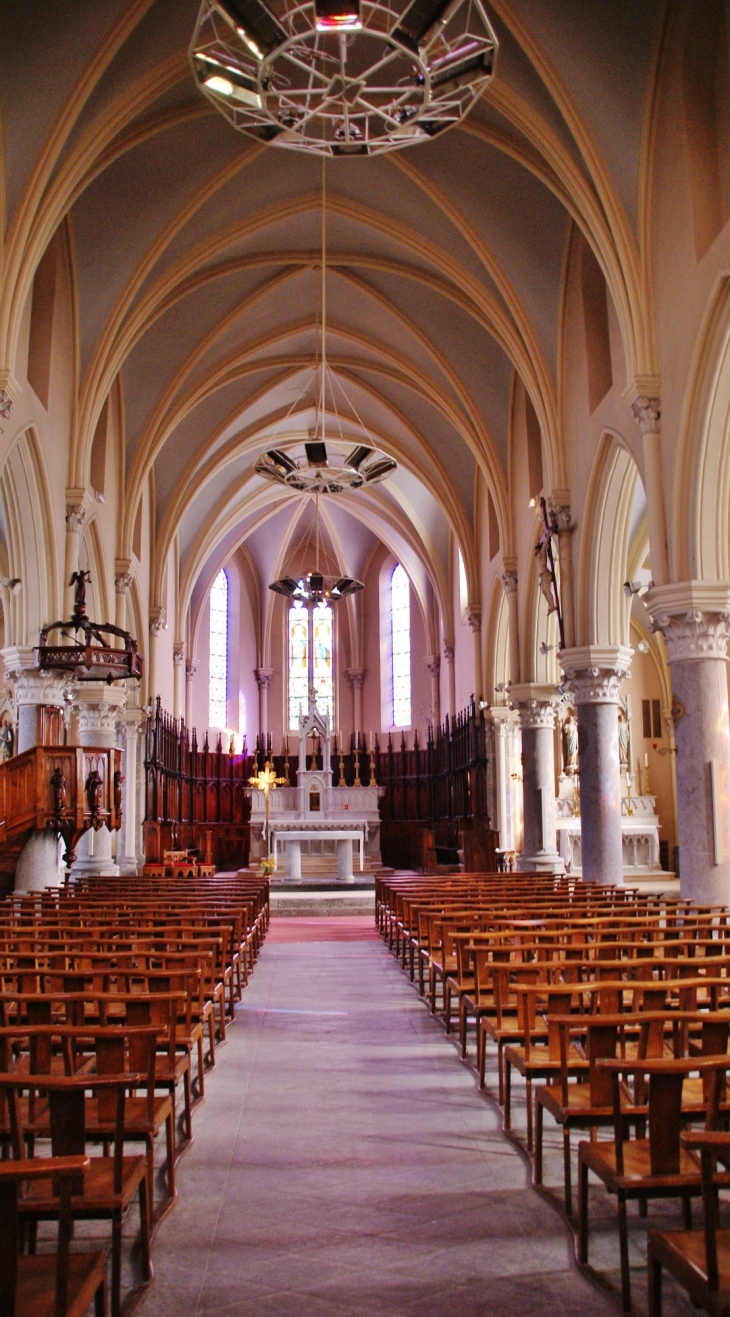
(447, 1007)
(463, 1013)
(655, 1287)
(507, 1115)
(528, 1104)
(144, 1234)
(100, 1300)
(566, 1173)
(170, 1135)
(117, 1249)
(537, 1170)
(201, 1067)
(687, 1211)
(623, 1239)
(582, 1210)
(500, 1073)
(188, 1105)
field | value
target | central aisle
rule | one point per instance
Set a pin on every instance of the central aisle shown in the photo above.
(344, 1161)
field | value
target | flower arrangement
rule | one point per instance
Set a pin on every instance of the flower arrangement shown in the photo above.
(267, 866)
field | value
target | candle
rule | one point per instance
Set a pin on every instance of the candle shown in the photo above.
(646, 759)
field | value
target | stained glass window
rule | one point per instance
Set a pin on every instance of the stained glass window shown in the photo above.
(323, 647)
(298, 664)
(218, 681)
(400, 635)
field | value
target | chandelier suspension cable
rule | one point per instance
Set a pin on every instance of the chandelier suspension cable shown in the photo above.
(323, 353)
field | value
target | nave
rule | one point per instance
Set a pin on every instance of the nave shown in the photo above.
(345, 1162)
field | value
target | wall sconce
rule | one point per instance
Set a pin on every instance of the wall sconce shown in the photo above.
(631, 588)
(545, 649)
(642, 647)
(11, 583)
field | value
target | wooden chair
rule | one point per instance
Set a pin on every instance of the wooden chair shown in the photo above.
(698, 1260)
(61, 1283)
(657, 1166)
(108, 1186)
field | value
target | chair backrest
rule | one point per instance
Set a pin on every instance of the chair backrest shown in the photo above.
(65, 1172)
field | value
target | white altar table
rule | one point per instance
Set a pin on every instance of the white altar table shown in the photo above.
(292, 838)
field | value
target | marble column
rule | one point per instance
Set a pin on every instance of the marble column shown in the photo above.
(344, 860)
(158, 624)
(356, 676)
(131, 725)
(191, 667)
(123, 578)
(537, 707)
(178, 668)
(433, 663)
(473, 617)
(694, 618)
(75, 518)
(450, 675)
(648, 412)
(96, 713)
(595, 674)
(263, 677)
(508, 577)
(39, 863)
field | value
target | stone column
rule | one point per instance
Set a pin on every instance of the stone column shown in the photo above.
(451, 675)
(508, 577)
(178, 664)
(131, 724)
(96, 713)
(647, 412)
(595, 674)
(191, 668)
(158, 623)
(694, 618)
(75, 518)
(263, 677)
(506, 819)
(39, 863)
(560, 506)
(433, 663)
(356, 676)
(344, 860)
(537, 707)
(34, 690)
(473, 617)
(123, 578)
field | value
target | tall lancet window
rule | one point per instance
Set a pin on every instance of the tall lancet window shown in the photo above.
(218, 679)
(323, 654)
(400, 637)
(298, 664)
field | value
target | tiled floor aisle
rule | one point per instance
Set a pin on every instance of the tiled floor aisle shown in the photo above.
(345, 1163)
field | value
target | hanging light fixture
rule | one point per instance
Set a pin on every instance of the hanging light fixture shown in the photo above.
(343, 77)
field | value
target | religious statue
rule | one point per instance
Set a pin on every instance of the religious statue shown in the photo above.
(623, 738)
(7, 740)
(570, 744)
(544, 574)
(94, 795)
(80, 579)
(118, 785)
(59, 789)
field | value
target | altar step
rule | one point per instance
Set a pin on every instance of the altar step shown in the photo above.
(321, 900)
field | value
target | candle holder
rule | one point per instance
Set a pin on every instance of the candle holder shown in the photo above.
(576, 796)
(341, 757)
(287, 779)
(357, 781)
(629, 801)
(372, 782)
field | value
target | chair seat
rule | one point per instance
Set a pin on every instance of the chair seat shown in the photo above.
(600, 1157)
(98, 1197)
(36, 1284)
(579, 1107)
(136, 1118)
(540, 1061)
(682, 1252)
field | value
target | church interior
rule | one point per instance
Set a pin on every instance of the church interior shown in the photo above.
(364, 622)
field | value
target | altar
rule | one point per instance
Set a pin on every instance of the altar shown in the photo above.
(315, 817)
(639, 833)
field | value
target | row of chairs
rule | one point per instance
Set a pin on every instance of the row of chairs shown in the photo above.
(109, 992)
(614, 1009)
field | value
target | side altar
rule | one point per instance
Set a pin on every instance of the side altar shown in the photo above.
(316, 817)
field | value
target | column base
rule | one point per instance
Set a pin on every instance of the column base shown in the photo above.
(542, 862)
(39, 864)
(129, 867)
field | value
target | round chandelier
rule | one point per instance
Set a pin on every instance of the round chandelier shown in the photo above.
(320, 469)
(343, 77)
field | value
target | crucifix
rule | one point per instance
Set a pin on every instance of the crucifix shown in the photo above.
(546, 566)
(266, 780)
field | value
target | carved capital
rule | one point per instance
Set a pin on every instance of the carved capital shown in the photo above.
(449, 651)
(98, 709)
(648, 412)
(178, 653)
(433, 663)
(34, 687)
(9, 393)
(694, 635)
(560, 512)
(158, 620)
(356, 677)
(191, 667)
(595, 673)
(473, 616)
(263, 677)
(508, 577)
(6, 404)
(75, 517)
(537, 705)
(537, 713)
(123, 580)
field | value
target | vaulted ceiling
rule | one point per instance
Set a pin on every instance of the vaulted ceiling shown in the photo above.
(196, 255)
